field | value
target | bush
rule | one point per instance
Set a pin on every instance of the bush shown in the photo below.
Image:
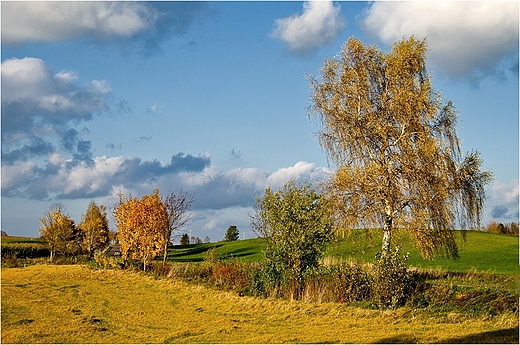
(339, 283)
(392, 284)
(108, 262)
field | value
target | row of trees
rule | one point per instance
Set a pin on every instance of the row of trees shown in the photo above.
(145, 226)
(500, 228)
(64, 237)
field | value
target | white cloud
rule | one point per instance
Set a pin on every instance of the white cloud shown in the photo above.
(502, 202)
(52, 21)
(15, 174)
(318, 25)
(466, 38)
(32, 97)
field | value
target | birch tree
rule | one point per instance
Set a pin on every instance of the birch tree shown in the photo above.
(141, 224)
(59, 231)
(94, 226)
(178, 208)
(394, 142)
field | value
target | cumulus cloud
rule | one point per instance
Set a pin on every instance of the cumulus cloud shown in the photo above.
(318, 25)
(215, 189)
(467, 39)
(502, 201)
(67, 178)
(144, 23)
(34, 97)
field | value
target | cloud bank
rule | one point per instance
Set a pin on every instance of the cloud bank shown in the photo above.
(466, 38)
(318, 25)
(144, 24)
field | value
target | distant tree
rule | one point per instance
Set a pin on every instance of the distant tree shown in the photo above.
(207, 240)
(178, 208)
(297, 226)
(60, 232)
(394, 142)
(185, 239)
(94, 228)
(141, 225)
(500, 228)
(232, 234)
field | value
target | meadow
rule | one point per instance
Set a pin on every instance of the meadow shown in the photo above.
(76, 304)
(472, 300)
(479, 252)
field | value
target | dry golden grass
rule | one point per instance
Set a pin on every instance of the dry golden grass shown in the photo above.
(74, 304)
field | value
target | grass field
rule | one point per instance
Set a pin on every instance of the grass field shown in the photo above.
(75, 304)
(481, 252)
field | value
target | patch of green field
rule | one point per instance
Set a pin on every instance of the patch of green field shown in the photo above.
(18, 239)
(74, 304)
(481, 252)
(243, 250)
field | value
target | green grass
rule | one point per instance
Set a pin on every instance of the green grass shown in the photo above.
(243, 250)
(481, 252)
(19, 239)
(75, 304)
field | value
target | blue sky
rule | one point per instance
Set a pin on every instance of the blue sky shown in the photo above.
(101, 98)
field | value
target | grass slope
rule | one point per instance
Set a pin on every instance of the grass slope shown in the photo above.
(74, 304)
(481, 252)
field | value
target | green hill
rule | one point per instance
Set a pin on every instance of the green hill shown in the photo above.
(482, 252)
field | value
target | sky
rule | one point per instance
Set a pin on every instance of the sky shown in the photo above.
(101, 98)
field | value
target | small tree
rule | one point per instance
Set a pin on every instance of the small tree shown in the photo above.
(177, 206)
(394, 142)
(296, 224)
(232, 234)
(94, 228)
(141, 225)
(60, 232)
(185, 239)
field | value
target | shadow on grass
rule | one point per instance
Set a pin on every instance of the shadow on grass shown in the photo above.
(194, 253)
(502, 336)
(398, 339)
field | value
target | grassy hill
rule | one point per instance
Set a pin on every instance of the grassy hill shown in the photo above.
(482, 252)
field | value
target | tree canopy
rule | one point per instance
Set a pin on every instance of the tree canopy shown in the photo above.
(94, 228)
(141, 225)
(60, 232)
(232, 234)
(295, 221)
(394, 142)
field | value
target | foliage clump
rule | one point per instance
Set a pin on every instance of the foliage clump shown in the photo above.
(296, 225)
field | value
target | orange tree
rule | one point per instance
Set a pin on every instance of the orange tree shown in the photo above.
(141, 224)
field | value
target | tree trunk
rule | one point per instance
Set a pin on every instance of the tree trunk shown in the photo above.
(165, 253)
(387, 235)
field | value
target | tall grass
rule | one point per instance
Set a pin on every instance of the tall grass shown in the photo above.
(75, 304)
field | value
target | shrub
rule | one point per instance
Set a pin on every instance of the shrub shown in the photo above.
(392, 284)
(108, 262)
(339, 283)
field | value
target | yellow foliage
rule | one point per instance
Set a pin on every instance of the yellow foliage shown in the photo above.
(141, 225)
